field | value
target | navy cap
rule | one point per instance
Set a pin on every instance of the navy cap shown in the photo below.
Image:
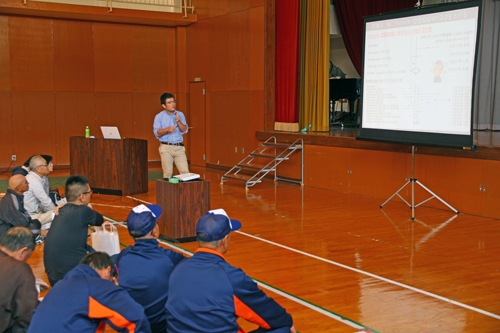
(215, 225)
(142, 219)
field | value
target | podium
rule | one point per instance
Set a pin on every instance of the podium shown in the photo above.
(116, 167)
(182, 205)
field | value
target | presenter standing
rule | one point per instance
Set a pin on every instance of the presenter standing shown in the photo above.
(169, 126)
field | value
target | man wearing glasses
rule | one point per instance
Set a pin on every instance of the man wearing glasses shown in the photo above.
(66, 242)
(169, 126)
(36, 200)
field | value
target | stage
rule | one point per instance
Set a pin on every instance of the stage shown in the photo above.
(488, 143)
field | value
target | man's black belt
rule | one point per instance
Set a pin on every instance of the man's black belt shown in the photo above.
(172, 144)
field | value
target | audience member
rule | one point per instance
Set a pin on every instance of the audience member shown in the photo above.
(12, 212)
(36, 200)
(207, 294)
(86, 299)
(145, 267)
(18, 295)
(66, 242)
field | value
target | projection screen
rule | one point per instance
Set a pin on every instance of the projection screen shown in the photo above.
(419, 75)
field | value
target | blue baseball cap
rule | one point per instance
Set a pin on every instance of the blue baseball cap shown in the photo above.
(142, 219)
(215, 225)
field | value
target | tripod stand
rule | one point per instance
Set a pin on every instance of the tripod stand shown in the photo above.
(413, 180)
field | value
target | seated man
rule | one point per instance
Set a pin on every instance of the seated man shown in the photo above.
(18, 295)
(12, 212)
(87, 299)
(206, 294)
(66, 242)
(36, 200)
(145, 267)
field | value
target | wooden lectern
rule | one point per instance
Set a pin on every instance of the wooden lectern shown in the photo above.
(117, 167)
(182, 204)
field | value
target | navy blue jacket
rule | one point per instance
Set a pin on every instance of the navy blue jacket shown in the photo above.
(144, 270)
(207, 295)
(84, 302)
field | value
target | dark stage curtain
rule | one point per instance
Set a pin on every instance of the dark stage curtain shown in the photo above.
(350, 15)
(287, 61)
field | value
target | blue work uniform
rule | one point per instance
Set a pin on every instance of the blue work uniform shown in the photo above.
(207, 295)
(144, 270)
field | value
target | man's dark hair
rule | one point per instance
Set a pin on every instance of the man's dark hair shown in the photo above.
(165, 96)
(27, 163)
(17, 238)
(100, 260)
(47, 158)
(75, 185)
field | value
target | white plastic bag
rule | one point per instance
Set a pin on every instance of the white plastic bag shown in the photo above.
(106, 241)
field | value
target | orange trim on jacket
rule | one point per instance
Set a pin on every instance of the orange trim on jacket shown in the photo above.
(243, 311)
(204, 249)
(99, 311)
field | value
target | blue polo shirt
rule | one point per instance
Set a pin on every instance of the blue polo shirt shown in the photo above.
(144, 270)
(162, 120)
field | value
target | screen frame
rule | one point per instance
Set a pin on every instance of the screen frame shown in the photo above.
(422, 138)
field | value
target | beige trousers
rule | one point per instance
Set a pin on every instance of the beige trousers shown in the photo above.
(169, 155)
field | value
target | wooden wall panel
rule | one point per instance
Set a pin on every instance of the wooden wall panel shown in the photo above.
(377, 174)
(222, 145)
(4, 54)
(438, 176)
(256, 3)
(326, 167)
(33, 124)
(202, 9)
(182, 83)
(197, 49)
(73, 57)
(218, 8)
(149, 59)
(112, 55)
(256, 116)
(491, 194)
(219, 54)
(238, 121)
(74, 111)
(31, 43)
(238, 5)
(115, 109)
(145, 108)
(208, 123)
(239, 50)
(171, 61)
(257, 48)
(465, 193)
(6, 143)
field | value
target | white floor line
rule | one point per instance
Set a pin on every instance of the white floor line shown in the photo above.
(265, 286)
(134, 198)
(106, 205)
(486, 313)
(376, 277)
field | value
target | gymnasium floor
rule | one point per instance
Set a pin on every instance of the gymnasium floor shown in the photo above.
(339, 263)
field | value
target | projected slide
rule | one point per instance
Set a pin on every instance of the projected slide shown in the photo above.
(418, 72)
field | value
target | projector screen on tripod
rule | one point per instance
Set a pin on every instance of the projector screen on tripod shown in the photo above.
(418, 75)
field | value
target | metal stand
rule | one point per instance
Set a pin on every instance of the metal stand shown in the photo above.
(413, 180)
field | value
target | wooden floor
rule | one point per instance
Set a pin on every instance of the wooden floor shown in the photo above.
(339, 263)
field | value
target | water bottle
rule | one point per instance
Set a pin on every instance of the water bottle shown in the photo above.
(87, 132)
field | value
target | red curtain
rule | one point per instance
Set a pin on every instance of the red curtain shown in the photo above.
(350, 14)
(287, 61)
